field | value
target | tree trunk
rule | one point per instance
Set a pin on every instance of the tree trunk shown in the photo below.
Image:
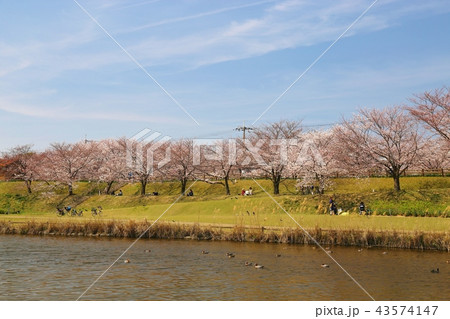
(276, 179)
(28, 183)
(183, 185)
(108, 187)
(227, 186)
(276, 188)
(396, 177)
(70, 189)
(143, 186)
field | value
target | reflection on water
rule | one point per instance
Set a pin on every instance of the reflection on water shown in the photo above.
(46, 268)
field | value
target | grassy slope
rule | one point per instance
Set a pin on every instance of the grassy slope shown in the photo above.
(209, 205)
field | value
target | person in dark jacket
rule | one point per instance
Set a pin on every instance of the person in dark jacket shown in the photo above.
(362, 208)
(333, 207)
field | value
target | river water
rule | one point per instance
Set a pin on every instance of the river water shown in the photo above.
(59, 268)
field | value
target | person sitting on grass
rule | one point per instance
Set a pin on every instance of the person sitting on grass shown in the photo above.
(362, 208)
(335, 210)
(333, 207)
(120, 193)
(243, 192)
(191, 193)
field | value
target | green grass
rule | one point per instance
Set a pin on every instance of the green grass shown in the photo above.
(421, 196)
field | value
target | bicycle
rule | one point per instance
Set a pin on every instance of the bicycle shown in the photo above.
(78, 213)
(60, 212)
(96, 211)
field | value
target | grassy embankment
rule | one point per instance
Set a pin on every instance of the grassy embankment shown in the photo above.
(422, 196)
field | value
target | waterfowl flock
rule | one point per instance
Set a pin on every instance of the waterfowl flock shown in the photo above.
(248, 263)
(258, 266)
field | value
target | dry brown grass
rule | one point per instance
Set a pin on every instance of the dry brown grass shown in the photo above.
(132, 229)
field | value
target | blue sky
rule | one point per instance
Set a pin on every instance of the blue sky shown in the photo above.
(62, 78)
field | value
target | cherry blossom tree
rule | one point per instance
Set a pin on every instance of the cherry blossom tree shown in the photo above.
(270, 147)
(385, 138)
(3, 165)
(112, 165)
(315, 161)
(146, 161)
(216, 162)
(433, 109)
(22, 163)
(434, 155)
(139, 169)
(181, 166)
(67, 163)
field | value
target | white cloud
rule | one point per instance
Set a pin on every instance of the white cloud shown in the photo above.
(284, 25)
(121, 5)
(287, 5)
(68, 113)
(7, 69)
(288, 24)
(275, 29)
(248, 27)
(194, 16)
(66, 52)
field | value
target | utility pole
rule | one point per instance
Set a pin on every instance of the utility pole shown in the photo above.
(243, 128)
(86, 140)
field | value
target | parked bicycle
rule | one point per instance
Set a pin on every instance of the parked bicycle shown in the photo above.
(97, 211)
(75, 212)
(69, 211)
(60, 212)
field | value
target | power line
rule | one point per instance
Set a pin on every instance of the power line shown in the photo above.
(244, 128)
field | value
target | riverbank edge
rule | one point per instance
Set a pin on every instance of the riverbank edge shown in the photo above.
(164, 230)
